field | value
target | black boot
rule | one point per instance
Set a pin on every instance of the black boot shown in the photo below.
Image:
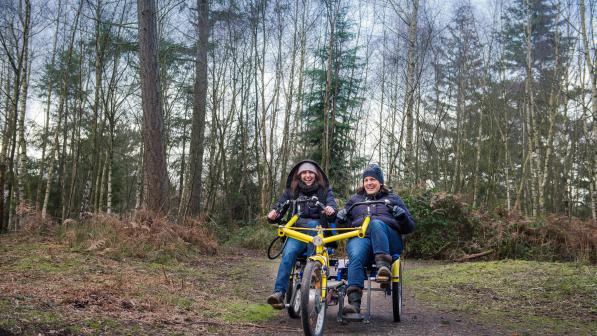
(354, 295)
(383, 262)
(276, 300)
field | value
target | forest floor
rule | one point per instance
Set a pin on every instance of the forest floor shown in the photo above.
(47, 289)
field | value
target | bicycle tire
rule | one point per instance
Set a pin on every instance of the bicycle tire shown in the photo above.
(271, 246)
(294, 303)
(313, 307)
(397, 297)
(293, 296)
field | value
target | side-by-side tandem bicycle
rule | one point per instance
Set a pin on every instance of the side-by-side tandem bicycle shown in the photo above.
(319, 281)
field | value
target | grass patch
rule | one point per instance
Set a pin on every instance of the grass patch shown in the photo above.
(541, 296)
(247, 312)
(101, 324)
(20, 319)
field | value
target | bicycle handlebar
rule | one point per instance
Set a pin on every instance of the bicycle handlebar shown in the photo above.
(281, 208)
(385, 202)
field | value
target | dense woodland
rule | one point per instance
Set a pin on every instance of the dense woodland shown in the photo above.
(200, 108)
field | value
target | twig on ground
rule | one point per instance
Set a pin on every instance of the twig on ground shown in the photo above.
(473, 256)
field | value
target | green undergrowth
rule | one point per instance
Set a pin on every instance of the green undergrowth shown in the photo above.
(256, 236)
(531, 297)
(448, 229)
(142, 236)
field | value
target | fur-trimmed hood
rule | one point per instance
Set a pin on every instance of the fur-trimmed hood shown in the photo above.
(295, 168)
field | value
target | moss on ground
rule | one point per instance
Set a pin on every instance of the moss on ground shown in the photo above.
(524, 295)
(246, 311)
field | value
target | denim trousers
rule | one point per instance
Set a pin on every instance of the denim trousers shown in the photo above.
(380, 239)
(292, 250)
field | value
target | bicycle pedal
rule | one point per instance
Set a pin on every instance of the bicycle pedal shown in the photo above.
(382, 279)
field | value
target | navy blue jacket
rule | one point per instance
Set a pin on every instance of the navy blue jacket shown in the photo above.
(404, 224)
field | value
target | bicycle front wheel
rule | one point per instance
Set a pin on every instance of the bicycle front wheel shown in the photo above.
(313, 304)
(397, 297)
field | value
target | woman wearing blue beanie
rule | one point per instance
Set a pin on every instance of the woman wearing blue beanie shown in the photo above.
(382, 240)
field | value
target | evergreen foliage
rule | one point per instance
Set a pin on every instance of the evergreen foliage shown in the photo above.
(344, 97)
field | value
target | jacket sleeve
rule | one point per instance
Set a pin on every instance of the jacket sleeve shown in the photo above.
(330, 200)
(350, 219)
(281, 200)
(406, 223)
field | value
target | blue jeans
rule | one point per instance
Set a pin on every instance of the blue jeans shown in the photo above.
(380, 239)
(292, 250)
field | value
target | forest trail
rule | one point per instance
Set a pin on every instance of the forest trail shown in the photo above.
(49, 289)
(418, 318)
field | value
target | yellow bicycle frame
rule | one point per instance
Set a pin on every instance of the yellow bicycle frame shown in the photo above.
(396, 270)
(321, 254)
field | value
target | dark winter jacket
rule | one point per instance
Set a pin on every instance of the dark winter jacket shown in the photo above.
(403, 224)
(324, 194)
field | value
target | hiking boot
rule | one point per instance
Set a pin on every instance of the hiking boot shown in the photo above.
(354, 295)
(383, 263)
(276, 300)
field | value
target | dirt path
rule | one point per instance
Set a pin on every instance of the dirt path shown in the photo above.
(51, 290)
(418, 319)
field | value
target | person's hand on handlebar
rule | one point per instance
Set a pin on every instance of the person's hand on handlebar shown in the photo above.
(341, 216)
(273, 215)
(328, 211)
(398, 212)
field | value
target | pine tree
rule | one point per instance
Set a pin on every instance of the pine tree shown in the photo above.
(463, 70)
(331, 118)
(534, 52)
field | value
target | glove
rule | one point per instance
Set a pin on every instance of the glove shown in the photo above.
(398, 212)
(341, 216)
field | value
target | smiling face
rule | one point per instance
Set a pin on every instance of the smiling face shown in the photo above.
(308, 177)
(371, 185)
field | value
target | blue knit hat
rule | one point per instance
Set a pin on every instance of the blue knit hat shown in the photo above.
(374, 171)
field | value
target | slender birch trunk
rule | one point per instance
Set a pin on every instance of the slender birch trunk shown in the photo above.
(410, 91)
(592, 65)
(61, 106)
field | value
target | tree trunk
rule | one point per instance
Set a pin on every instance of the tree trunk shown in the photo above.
(458, 142)
(22, 155)
(61, 106)
(140, 187)
(332, 11)
(153, 122)
(285, 146)
(67, 204)
(410, 92)
(196, 149)
(531, 119)
(554, 103)
(4, 150)
(592, 65)
(42, 165)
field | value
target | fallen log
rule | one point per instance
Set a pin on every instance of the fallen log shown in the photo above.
(473, 256)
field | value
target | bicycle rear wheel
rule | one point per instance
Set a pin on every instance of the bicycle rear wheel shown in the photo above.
(293, 296)
(313, 304)
(397, 296)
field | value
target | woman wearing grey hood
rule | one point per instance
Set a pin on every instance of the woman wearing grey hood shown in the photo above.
(306, 178)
